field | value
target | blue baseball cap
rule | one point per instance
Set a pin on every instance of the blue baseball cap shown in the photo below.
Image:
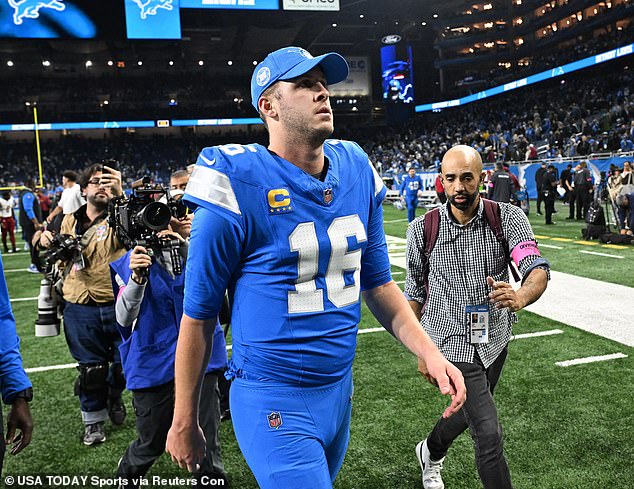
(291, 62)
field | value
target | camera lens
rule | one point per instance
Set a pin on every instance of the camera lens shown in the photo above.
(155, 216)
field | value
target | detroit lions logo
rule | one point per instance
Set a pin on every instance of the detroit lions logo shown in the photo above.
(30, 9)
(149, 7)
(263, 76)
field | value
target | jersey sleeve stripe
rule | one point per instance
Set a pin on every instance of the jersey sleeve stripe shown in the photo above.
(214, 187)
(378, 182)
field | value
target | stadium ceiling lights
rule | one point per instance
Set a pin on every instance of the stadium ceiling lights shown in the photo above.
(255, 63)
(46, 63)
(201, 62)
(9, 63)
(88, 64)
(230, 62)
(140, 63)
(110, 62)
(171, 63)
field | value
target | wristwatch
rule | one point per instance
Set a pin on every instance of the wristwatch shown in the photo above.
(26, 394)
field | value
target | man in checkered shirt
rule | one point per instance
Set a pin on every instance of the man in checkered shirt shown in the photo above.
(469, 308)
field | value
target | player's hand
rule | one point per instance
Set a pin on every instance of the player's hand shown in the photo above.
(19, 419)
(139, 260)
(111, 179)
(440, 372)
(186, 446)
(503, 295)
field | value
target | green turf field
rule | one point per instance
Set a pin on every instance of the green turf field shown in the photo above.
(564, 427)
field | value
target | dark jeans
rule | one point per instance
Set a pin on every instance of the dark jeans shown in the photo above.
(540, 199)
(583, 198)
(92, 337)
(549, 205)
(479, 414)
(154, 409)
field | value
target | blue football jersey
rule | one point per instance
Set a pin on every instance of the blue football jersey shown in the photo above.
(411, 186)
(294, 252)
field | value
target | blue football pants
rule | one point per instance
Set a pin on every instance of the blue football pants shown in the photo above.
(292, 437)
(411, 208)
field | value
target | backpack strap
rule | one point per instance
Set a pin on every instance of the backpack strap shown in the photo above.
(430, 235)
(493, 217)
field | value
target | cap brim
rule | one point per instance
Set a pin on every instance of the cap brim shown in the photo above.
(334, 66)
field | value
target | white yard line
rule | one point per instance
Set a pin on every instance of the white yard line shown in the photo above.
(599, 358)
(23, 299)
(542, 245)
(601, 254)
(395, 220)
(360, 331)
(537, 334)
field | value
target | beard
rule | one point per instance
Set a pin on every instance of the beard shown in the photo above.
(301, 129)
(468, 202)
(99, 202)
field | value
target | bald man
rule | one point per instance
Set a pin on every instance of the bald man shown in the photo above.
(460, 292)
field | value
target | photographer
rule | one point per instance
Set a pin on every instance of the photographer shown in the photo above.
(89, 317)
(148, 308)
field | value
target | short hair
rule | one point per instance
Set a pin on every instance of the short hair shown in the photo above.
(269, 92)
(551, 166)
(87, 174)
(179, 174)
(499, 166)
(71, 175)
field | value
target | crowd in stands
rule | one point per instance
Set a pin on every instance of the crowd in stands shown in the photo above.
(565, 53)
(575, 118)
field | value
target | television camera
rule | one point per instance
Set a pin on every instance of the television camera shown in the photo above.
(139, 218)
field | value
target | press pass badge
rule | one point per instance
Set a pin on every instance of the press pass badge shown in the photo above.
(477, 324)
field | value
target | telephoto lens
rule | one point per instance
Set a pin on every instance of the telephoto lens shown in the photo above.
(48, 322)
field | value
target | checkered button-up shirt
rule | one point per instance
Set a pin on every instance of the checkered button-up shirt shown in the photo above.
(462, 258)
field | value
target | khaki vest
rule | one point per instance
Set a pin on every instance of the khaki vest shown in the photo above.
(93, 281)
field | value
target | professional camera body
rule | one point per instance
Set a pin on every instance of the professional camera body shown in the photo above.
(139, 218)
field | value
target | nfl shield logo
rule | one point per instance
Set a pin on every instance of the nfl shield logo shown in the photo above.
(328, 196)
(275, 419)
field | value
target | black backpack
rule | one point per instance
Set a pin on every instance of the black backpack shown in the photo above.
(493, 219)
(595, 220)
(595, 214)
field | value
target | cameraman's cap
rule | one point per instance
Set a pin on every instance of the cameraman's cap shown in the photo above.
(291, 62)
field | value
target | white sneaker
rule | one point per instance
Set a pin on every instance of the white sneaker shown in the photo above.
(431, 468)
(33, 269)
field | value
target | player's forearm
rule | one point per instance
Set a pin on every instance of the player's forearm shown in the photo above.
(533, 287)
(192, 355)
(390, 308)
